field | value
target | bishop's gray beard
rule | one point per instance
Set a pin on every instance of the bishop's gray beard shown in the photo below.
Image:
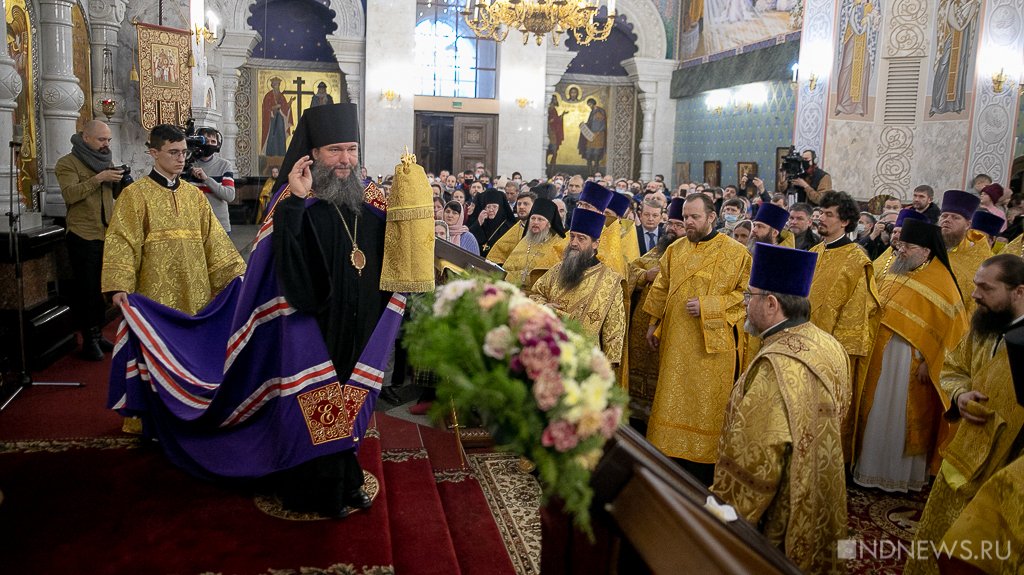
(574, 265)
(539, 237)
(902, 265)
(343, 192)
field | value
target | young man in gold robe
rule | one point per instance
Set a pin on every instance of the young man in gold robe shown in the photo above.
(967, 248)
(584, 289)
(899, 424)
(164, 241)
(976, 376)
(540, 249)
(643, 365)
(844, 297)
(780, 463)
(696, 308)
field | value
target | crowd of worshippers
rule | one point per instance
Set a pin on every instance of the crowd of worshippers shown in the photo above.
(776, 345)
(773, 345)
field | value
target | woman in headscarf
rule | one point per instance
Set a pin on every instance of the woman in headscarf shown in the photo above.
(458, 233)
(494, 219)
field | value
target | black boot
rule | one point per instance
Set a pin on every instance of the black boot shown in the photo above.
(91, 345)
(105, 344)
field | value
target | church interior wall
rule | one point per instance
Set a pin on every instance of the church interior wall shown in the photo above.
(733, 134)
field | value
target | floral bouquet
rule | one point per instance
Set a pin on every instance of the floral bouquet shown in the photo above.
(542, 389)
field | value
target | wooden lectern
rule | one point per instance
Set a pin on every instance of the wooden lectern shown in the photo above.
(649, 517)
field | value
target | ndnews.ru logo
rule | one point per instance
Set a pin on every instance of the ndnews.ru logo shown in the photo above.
(888, 549)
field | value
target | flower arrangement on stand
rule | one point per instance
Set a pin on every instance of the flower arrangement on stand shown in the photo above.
(542, 389)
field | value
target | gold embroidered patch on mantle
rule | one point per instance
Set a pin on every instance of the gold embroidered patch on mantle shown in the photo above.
(330, 411)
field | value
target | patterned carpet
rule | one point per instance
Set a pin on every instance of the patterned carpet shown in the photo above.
(878, 521)
(514, 499)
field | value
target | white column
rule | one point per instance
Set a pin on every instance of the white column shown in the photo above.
(557, 62)
(1000, 51)
(10, 88)
(390, 65)
(816, 53)
(62, 97)
(105, 17)
(653, 79)
(233, 53)
(521, 128)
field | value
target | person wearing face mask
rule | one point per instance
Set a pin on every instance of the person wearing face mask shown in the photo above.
(212, 174)
(732, 213)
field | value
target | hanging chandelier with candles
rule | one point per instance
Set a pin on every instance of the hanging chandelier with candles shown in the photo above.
(492, 19)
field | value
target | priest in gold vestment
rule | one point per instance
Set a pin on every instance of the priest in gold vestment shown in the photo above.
(768, 227)
(967, 248)
(898, 412)
(844, 297)
(164, 241)
(643, 363)
(780, 463)
(584, 289)
(596, 198)
(540, 249)
(696, 308)
(976, 376)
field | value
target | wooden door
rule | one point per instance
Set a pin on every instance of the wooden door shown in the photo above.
(475, 141)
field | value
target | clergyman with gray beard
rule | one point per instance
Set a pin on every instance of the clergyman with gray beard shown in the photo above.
(584, 288)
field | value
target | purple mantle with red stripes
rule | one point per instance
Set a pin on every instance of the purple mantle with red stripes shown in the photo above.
(245, 387)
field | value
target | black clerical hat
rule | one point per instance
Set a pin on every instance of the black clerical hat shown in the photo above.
(548, 209)
(319, 126)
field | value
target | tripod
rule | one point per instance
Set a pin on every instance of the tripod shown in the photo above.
(14, 251)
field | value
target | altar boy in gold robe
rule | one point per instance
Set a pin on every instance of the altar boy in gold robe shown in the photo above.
(780, 462)
(696, 306)
(584, 289)
(164, 241)
(976, 375)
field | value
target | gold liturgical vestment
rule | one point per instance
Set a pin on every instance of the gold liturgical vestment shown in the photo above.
(506, 243)
(924, 308)
(965, 259)
(596, 303)
(609, 251)
(994, 518)
(168, 246)
(780, 463)
(643, 361)
(698, 355)
(977, 451)
(528, 261)
(844, 303)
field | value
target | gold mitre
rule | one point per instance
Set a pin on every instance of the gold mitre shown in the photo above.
(409, 233)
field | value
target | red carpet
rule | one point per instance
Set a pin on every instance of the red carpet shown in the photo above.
(81, 497)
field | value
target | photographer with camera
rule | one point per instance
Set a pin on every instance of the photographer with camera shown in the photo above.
(89, 182)
(212, 174)
(808, 181)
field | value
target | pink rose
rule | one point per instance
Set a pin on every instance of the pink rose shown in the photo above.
(547, 390)
(610, 420)
(561, 434)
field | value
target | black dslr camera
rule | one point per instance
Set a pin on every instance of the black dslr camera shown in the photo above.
(125, 181)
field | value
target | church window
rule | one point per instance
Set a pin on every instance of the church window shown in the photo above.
(451, 60)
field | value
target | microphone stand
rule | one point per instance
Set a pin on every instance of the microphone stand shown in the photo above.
(14, 251)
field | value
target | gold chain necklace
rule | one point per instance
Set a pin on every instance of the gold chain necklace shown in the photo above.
(357, 257)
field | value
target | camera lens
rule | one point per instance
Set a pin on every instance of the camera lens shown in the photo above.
(889, 227)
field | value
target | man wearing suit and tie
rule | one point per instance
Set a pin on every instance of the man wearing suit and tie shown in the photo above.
(650, 229)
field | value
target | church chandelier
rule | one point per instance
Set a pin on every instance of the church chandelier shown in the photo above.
(492, 19)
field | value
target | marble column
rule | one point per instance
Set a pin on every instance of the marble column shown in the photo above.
(390, 65)
(653, 78)
(105, 17)
(62, 97)
(557, 62)
(233, 53)
(521, 127)
(816, 52)
(10, 88)
(1000, 51)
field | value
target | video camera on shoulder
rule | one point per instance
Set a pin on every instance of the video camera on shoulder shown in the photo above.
(198, 147)
(794, 165)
